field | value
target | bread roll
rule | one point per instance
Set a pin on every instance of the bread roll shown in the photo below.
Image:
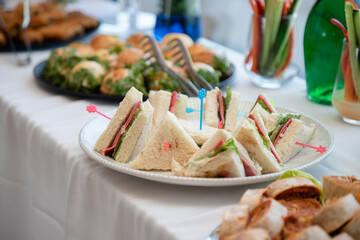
(293, 188)
(249, 234)
(313, 232)
(268, 215)
(343, 236)
(234, 219)
(353, 226)
(335, 214)
(252, 198)
(339, 186)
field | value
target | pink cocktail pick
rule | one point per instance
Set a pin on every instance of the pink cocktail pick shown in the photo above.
(92, 109)
(166, 146)
(319, 149)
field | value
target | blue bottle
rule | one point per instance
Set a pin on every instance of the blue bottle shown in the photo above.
(180, 16)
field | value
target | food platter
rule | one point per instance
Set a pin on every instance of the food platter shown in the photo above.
(305, 159)
(47, 85)
(50, 43)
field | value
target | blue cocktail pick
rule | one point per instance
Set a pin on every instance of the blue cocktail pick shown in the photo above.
(202, 94)
(190, 110)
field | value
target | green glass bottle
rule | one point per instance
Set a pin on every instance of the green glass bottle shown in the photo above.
(322, 49)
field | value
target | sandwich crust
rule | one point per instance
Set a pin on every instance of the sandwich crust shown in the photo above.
(211, 108)
(232, 111)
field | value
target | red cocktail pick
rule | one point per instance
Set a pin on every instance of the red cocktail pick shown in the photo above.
(92, 108)
(319, 149)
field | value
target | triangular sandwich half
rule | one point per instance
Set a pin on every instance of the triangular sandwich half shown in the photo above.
(169, 141)
(252, 135)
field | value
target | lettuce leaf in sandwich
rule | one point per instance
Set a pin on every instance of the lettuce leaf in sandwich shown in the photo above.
(227, 145)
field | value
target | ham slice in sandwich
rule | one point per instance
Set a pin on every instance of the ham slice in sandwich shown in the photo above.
(129, 129)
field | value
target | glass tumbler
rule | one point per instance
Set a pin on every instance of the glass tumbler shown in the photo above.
(346, 92)
(271, 46)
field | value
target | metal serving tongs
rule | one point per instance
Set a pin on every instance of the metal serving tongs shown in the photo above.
(150, 46)
(21, 61)
(184, 60)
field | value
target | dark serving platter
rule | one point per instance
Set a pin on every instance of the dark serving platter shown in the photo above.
(46, 84)
(48, 44)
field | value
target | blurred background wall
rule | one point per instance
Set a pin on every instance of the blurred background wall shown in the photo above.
(228, 22)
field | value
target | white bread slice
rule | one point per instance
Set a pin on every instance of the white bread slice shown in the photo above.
(296, 132)
(245, 156)
(226, 163)
(246, 134)
(209, 145)
(268, 119)
(161, 100)
(182, 146)
(180, 111)
(132, 97)
(193, 129)
(132, 140)
(211, 108)
(232, 111)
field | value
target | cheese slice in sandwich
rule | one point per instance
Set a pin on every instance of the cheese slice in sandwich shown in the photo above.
(199, 136)
(221, 112)
(251, 134)
(164, 101)
(287, 131)
(169, 141)
(128, 130)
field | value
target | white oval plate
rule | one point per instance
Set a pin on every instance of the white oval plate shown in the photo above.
(305, 159)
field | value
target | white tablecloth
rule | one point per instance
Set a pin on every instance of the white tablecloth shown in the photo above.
(50, 189)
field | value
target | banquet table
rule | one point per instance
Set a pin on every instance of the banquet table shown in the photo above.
(50, 189)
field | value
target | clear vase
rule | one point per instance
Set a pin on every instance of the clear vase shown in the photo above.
(271, 45)
(345, 98)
